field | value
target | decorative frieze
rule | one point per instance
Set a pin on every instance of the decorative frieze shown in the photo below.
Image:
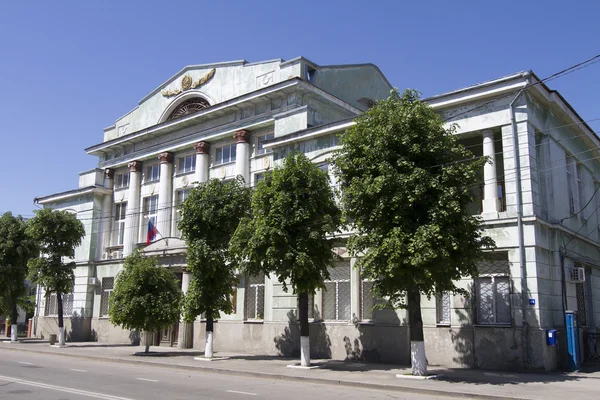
(187, 83)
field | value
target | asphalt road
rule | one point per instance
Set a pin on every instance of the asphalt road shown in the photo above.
(26, 376)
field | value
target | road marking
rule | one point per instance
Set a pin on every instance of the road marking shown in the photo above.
(147, 380)
(25, 363)
(235, 391)
(63, 389)
(78, 370)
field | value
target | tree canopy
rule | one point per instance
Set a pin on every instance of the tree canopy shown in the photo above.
(16, 248)
(210, 215)
(146, 297)
(405, 184)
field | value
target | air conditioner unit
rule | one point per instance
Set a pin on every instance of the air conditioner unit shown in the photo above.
(93, 281)
(105, 256)
(116, 254)
(577, 275)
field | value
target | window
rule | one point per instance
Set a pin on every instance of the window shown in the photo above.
(324, 166)
(152, 173)
(255, 297)
(571, 182)
(119, 233)
(121, 180)
(580, 189)
(150, 209)
(180, 197)
(107, 288)
(367, 300)
(225, 154)
(258, 177)
(336, 295)
(442, 308)
(186, 164)
(51, 308)
(259, 145)
(581, 306)
(492, 290)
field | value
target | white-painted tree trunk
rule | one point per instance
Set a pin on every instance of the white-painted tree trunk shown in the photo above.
(61, 336)
(418, 359)
(305, 351)
(208, 348)
(13, 333)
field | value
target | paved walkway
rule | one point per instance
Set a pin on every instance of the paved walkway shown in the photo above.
(453, 382)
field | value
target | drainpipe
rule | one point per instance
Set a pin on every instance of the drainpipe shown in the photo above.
(522, 260)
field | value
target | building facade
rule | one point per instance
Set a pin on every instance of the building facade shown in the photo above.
(537, 199)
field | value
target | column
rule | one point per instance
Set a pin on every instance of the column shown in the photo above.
(132, 217)
(242, 161)
(165, 194)
(186, 329)
(202, 161)
(490, 191)
(106, 213)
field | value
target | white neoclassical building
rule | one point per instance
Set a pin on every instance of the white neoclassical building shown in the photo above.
(538, 201)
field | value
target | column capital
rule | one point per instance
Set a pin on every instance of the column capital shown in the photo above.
(135, 166)
(487, 133)
(109, 173)
(202, 147)
(242, 136)
(165, 157)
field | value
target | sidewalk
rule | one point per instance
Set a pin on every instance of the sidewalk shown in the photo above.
(453, 382)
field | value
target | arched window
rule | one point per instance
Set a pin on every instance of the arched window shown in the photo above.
(188, 107)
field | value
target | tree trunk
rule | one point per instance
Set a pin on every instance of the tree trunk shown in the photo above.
(148, 339)
(304, 330)
(61, 329)
(208, 347)
(14, 316)
(417, 345)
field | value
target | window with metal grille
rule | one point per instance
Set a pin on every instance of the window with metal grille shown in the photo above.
(336, 295)
(367, 300)
(51, 308)
(581, 304)
(255, 297)
(107, 288)
(225, 154)
(186, 164)
(492, 290)
(119, 230)
(442, 308)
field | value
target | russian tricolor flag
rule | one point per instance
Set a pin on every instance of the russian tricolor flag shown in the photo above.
(152, 232)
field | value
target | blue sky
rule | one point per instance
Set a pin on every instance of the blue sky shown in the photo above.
(70, 68)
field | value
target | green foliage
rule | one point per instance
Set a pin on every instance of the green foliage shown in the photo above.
(16, 248)
(146, 297)
(405, 185)
(210, 216)
(57, 234)
(293, 212)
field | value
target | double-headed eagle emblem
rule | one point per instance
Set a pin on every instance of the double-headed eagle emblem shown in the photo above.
(187, 83)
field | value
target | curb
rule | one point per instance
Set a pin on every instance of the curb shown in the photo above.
(279, 377)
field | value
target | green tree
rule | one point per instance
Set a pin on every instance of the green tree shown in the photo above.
(405, 184)
(16, 248)
(293, 215)
(146, 296)
(57, 233)
(210, 216)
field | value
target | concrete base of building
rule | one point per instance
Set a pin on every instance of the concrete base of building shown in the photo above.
(77, 329)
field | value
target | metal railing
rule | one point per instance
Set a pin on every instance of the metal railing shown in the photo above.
(591, 347)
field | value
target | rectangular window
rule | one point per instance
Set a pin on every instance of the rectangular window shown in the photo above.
(51, 308)
(107, 288)
(152, 173)
(150, 210)
(121, 180)
(324, 166)
(180, 197)
(367, 300)
(442, 308)
(492, 291)
(255, 297)
(336, 295)
(580, 190)
(186, 164)
(225, 154)
(119, 233)
(260, 144)
(258, 177)
(571, 182)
